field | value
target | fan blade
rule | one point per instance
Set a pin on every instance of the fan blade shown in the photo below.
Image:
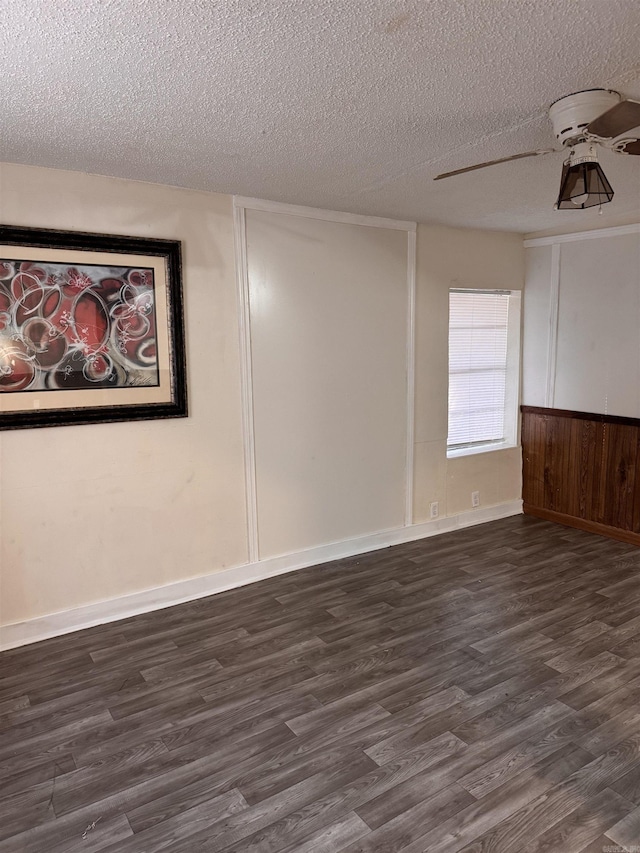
(632, 147)
(617, 120)
(493, 163)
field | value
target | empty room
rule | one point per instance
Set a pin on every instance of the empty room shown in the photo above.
(319, 426)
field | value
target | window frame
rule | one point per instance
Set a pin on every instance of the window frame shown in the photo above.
(512, 377)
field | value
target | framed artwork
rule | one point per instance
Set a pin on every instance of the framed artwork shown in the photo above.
(91, 328)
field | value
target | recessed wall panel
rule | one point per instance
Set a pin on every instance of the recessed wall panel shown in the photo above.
(598, 350)
(328, 326)
(536, 311)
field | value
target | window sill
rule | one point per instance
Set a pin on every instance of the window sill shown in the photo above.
(474, 451)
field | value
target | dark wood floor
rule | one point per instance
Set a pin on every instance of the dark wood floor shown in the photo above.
(477, 691)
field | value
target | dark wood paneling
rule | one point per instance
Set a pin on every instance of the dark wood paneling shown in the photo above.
(580, 469)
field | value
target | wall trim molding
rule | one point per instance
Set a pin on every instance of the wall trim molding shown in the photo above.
(411, 375)
(246, 380)
(554, 304)
(240, 206)
(57, 624)
(319, 213)
(614, 231)
(599, 417)
(585, 524)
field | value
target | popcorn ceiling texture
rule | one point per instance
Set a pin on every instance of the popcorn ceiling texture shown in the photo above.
(345, 104)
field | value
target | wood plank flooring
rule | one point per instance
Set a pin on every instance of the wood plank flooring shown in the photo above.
(476, 691)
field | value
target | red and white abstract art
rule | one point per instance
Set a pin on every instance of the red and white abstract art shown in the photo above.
(72, 327)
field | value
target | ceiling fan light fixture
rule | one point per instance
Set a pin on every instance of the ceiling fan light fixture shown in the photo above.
(583, 183)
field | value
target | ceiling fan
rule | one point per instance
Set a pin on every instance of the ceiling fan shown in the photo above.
(582, 122)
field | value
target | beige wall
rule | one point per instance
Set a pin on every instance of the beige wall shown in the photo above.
(451, 257)
(92, 513)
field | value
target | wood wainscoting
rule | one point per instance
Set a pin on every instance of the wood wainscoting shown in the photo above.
(580, 469)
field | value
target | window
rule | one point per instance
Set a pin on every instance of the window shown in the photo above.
(484, 367)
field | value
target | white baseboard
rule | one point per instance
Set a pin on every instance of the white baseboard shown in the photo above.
(56, 624)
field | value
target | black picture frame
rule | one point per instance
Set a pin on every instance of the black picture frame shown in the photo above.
(162, 390)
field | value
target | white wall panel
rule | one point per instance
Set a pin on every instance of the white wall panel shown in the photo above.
(535, 343)
(598, 354)
(328, 325)
(597, 327)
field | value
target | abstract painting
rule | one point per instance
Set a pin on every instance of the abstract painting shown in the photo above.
(70, 327)
(91, 328)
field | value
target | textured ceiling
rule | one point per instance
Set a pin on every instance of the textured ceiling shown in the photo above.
(344, 104)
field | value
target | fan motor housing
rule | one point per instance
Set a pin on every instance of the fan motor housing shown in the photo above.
(570, 115)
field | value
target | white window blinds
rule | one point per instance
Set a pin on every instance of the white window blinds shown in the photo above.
(478, 331)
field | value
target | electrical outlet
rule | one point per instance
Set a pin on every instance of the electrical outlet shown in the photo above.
(475, 498)
(433, 509)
